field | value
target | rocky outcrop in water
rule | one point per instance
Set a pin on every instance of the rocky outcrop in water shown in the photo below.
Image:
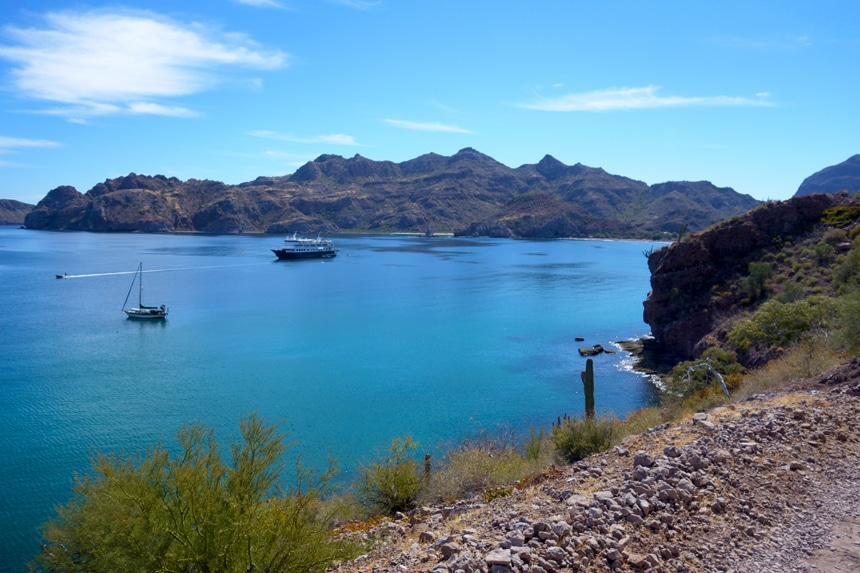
(468, 194)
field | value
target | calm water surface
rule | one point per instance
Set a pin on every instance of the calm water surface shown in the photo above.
(437, 338)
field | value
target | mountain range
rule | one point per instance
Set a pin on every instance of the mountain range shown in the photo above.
(468, 194)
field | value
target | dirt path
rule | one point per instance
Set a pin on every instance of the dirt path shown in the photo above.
(841, 553)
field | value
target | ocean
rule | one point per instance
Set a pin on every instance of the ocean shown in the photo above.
(437, 338)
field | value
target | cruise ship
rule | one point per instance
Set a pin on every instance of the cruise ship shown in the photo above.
(296, 247)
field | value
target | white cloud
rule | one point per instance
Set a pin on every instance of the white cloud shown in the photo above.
(638, 98)
(102, 62)
(334, 139)
(158, 109)
(418, 126)
(7, 143)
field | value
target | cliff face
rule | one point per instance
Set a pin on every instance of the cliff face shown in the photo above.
(468, 193)
(684, 308)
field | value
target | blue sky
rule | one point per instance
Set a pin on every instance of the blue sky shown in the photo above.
(750, 95)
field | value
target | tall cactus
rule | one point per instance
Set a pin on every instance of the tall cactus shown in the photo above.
(588, 384)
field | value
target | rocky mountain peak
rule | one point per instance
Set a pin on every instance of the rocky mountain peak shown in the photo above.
(844, 176)
(551, 168)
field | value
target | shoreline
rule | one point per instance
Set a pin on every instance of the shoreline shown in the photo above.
(648, 358)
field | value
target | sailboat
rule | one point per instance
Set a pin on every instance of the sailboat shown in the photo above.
(145, 312)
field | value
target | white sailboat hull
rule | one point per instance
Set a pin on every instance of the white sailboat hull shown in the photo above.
(146, 313)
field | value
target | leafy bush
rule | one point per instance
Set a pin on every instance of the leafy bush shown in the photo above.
(578, 438)
(777, 324)
(840, 216)
(848, 271)
(534, 446)
(848, 331)
(835, 236)
(393, 484)
(192, 512)
(694, 375)
(823, 251)
(791, 292)
(754, 283)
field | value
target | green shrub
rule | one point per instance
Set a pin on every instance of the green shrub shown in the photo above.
(791, 292)
(840, 216)
(694, 375)
(777, 324)
(754, 283)
(835, 236)
(393, 484)
(848, 271)
(193, 512)
(534, 446)
(823, 251)
(848, 331)
(578, 438)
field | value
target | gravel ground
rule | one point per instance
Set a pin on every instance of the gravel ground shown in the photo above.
(769, 484)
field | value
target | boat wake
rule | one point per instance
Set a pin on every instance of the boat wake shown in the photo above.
(68, 276)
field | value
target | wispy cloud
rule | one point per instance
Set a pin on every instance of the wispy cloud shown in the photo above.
(639, 98)
(418, 126)
(99, 62)
(333, 139)
(7, 143)
(158, 109)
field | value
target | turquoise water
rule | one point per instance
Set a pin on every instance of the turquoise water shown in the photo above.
(437, 338)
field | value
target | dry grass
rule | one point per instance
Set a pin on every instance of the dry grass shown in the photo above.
(478, 467)
(802, 361)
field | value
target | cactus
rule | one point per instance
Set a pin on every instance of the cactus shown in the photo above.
(588, 383)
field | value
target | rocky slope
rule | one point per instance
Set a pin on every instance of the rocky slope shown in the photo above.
(13, 212)
(768, 485)
(691, 281)
(842, 177)
(468, 193)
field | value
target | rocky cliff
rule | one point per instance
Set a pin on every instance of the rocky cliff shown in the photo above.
(468, 193)
(694, 282)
